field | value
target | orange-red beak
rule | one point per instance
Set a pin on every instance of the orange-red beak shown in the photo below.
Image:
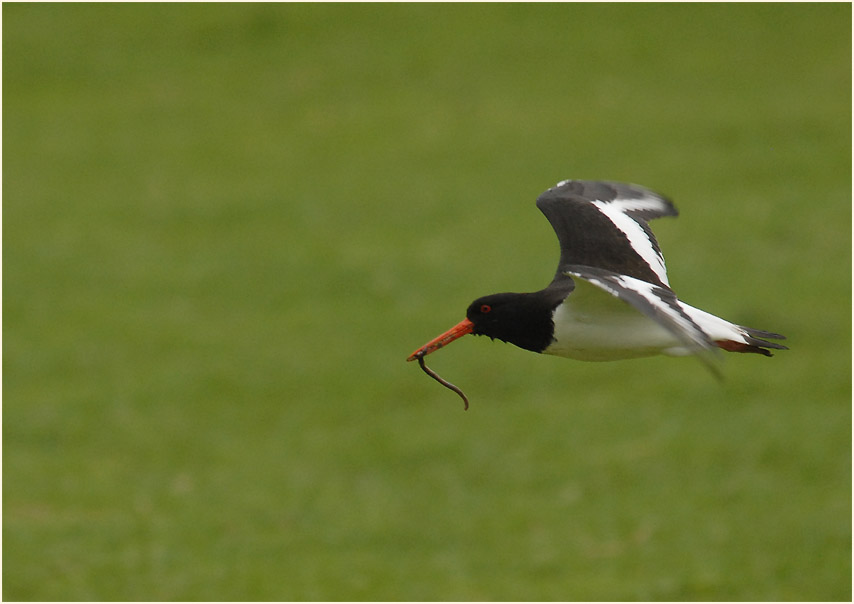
(457, 331)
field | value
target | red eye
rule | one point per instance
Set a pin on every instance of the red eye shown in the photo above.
(485, 308)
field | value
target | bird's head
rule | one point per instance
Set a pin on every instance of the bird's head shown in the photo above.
(521, 319)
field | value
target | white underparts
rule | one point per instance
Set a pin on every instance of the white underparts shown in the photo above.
(593, 324)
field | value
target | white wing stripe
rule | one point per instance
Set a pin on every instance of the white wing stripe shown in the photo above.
(638, 238)
(645, 290)
(681, 324)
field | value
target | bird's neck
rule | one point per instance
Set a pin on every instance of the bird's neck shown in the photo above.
(530, 324)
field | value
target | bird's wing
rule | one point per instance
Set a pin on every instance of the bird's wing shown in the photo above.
(604, 225)
(658, 303)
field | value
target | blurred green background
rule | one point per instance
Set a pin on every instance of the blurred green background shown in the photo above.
(226, 226)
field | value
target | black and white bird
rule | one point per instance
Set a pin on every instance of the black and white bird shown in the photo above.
(610, 298)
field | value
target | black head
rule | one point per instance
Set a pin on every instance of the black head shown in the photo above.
(521, 319)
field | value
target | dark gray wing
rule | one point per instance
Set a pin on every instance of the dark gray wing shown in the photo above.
(604, 225)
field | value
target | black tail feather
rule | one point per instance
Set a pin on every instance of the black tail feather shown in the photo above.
(755, 342)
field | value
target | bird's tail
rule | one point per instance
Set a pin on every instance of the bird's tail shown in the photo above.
(753, 340)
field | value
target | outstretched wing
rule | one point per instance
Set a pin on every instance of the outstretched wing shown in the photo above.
(604, 225)
(657, 303)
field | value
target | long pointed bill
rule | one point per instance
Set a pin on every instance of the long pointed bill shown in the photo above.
(457, 331)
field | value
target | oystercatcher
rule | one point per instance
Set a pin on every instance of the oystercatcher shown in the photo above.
(610, 298)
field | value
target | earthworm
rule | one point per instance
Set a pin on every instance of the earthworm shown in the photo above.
(445, 383)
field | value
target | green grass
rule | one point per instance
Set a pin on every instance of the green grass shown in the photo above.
(225, 227)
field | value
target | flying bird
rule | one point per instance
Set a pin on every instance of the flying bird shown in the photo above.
(610, 298)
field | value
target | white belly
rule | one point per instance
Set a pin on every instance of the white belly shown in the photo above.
(609, 332)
